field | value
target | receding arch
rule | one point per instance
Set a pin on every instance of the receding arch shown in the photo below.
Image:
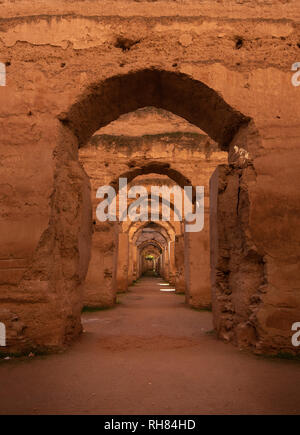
(147, 237)
(176, 92)
(156, 197)
(155, 168)
(159, 226)
(132, 227)
(152, 242)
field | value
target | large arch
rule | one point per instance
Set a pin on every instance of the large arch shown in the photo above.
(66, 242)
(176, 92)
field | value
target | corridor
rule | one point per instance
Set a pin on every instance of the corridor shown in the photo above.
(150, 354)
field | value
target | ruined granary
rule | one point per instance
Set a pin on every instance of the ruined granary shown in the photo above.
(181, 93)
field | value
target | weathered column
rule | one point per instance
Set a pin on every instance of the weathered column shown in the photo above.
(179, 263)
(99, 283)
(140, 263)
(131, 264)
(166, 263)
(134, 263)
(238, 271)
(123, 259)
(160, 266)
(172, 267)
(197, 266)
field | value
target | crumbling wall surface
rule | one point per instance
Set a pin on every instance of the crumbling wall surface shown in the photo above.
(236, 267)
(55, 51)
(99, 287)
(179, 263)
(43, 304)
(274, 226)
(252, 305)
(209, 8)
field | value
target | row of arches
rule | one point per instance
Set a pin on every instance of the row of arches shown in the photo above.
(67, 242)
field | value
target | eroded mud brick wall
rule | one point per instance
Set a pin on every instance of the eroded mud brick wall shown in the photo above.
(53, 52)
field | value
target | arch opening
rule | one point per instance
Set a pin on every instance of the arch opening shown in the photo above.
(176, 92)
(70, 225)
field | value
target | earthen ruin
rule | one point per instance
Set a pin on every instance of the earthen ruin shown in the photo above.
(177, 93)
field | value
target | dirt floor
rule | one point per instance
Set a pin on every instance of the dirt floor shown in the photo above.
(149, 355)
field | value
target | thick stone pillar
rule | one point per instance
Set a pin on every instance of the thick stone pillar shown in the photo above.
(132, 264)
(140, 264)
(160, 265)
(197, 266)
(166, 263)
(99, 286)
(179, 263)
(172, 267)
(123, 259)
(237, 270)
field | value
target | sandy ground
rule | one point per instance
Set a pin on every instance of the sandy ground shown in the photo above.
(149, 355)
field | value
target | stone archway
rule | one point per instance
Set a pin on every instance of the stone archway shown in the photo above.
(61, 259)
(176, 92)
(157, 236)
